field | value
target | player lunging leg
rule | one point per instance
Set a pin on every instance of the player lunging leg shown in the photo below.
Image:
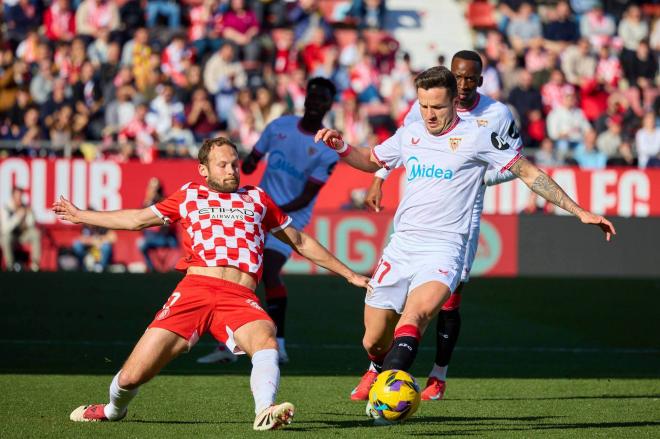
(298, 167)
(490, 114)
(226, 225)
(445, 158)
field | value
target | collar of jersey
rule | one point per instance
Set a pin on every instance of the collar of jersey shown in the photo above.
(476, 102)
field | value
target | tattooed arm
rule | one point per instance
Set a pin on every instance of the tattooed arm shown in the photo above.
(540, 183)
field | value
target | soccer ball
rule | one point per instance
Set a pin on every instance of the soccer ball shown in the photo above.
(394, 396)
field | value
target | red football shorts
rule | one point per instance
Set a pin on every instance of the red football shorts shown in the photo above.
(201, 304)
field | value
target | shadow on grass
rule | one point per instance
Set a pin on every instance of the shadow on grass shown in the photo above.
(469, 430)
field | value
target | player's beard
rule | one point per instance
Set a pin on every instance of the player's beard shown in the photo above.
(226, 185)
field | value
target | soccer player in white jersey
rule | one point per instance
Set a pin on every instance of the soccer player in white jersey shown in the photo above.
(445, 159)
(297, 169)
(489, 115)
(225, 228)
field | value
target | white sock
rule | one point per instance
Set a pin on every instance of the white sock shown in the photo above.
(280, 344)
(265, 378)
(119, 399)
(439, 372)
(372, 367)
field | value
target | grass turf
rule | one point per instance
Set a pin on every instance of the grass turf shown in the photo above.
(537, 357)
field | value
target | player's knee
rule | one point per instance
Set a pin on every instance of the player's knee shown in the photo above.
(130, 379)
(374, 346)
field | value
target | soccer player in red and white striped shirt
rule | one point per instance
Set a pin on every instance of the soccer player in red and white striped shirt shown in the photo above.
(225, 228)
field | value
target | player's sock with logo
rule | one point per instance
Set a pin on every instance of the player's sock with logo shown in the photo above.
(448, 328)
(404, 348)
(265, 378)
(119, 400)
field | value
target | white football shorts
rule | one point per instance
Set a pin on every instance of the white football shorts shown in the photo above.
(402, 269)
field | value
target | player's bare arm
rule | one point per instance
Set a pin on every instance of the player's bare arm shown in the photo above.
(358, 157)
(125, 219)
(542, 184)
(309, 192)
(375, 194)
(315, 252)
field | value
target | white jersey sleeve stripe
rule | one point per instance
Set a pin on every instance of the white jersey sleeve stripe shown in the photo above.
(159, 215)
(380, 162)
(282, 226)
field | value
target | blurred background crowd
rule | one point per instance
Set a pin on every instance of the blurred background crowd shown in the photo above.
(140, 79)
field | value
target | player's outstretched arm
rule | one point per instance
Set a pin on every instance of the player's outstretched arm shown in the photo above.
(540, 183)
(356, 156)
(126, 219)
(315, 252)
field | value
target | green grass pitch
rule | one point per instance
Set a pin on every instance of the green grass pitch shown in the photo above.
(536, 358)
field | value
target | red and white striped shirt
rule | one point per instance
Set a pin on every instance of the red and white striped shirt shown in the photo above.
(223, 229)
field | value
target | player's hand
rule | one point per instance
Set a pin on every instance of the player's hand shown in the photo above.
(358, 280)
(374, 195)
(66, 211)
(600, 221)
(332, 138)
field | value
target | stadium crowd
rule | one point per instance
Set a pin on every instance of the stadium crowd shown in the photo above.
(128, 79)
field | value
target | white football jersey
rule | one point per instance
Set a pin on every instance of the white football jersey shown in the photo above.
(293, 159)
(444, 174)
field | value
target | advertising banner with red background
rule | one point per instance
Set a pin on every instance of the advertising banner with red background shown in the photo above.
(356, 237)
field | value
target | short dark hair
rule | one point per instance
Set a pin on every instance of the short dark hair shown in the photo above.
(322, 82)
(437, 77)
(207, 146)
(469, 55)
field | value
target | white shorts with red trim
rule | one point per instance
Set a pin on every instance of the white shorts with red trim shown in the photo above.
(401, 270)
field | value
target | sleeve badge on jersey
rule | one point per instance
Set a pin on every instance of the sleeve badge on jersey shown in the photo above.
(482, 123)
(247, 198)
(498, 143)
(513, 131)
(454, 143)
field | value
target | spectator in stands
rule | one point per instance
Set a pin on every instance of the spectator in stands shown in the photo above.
(222, 77)
(305, 17)
(554, 90)
(60, 21)
(41, 85)
(524, 97)
(587, 155)
(61, 129)
(609, 141)
(20, 18)
(608, 69)
(30, 133)
(247, 135)
(180, 141)
(492, 86)
(624, 157)
(60, 97)
(163, 108)
(135, 54)
(205, 27)
(28, 49)
(368, 13)
(144, 135)
(94, 248)
(578, 63)
(567, 125)
(597, 26)
(351, 120)
(16, 115)
(88, 101)
(166, 8)
(561, 28)
(593, 98)
(524, 26)
(18, 226)
(647, 142)
(643, 64)
(156, 237)
(265, 109)
(632, 29)
(200, 115)
(8, 80)
(93, 15)
(240, 27)
(546, 156)
(98, 51)
(176, 60)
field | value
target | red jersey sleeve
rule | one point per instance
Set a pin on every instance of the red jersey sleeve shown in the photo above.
(169, 210)
(275, 219)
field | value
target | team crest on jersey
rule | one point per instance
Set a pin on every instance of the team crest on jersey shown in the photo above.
(414, 141)
(482, 123)
(247, 198)
(454, 143)
(311, 151)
